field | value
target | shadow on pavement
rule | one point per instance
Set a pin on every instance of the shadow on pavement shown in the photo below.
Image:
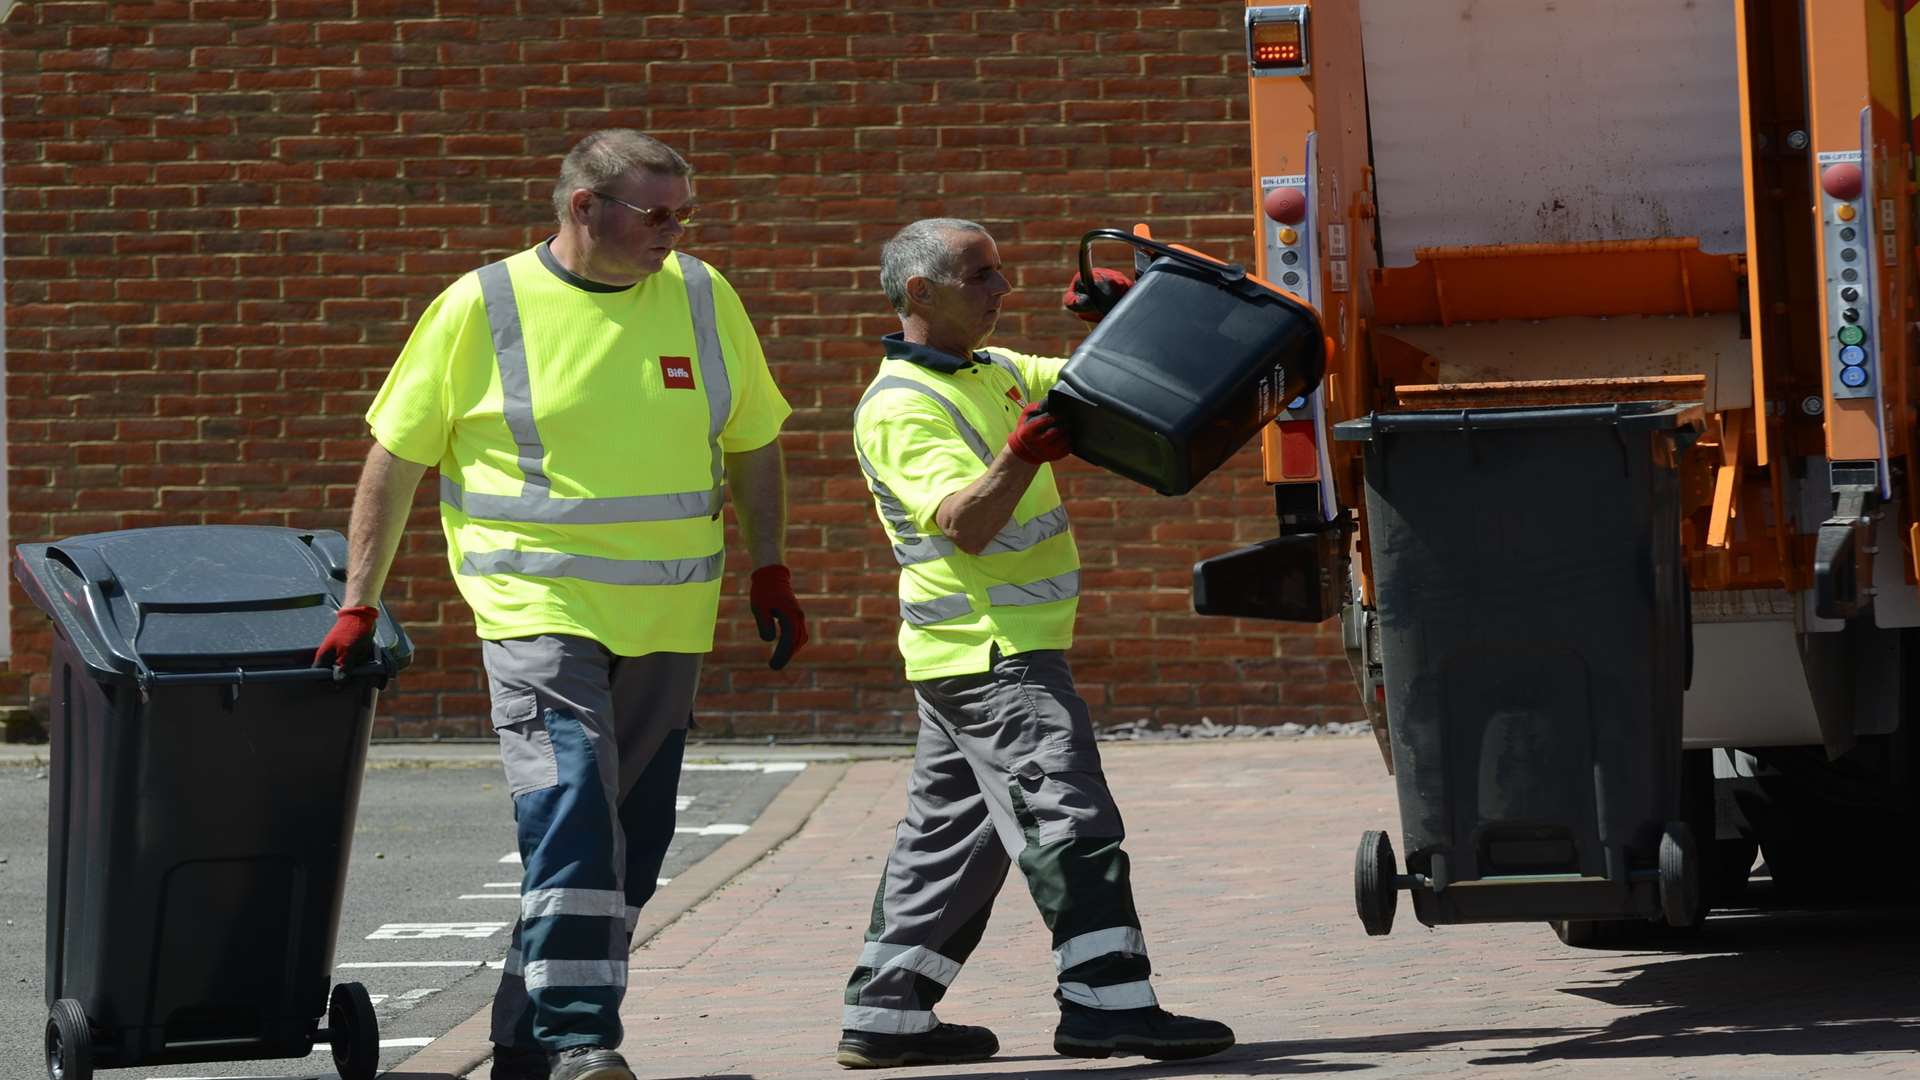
(1284, 1057)
(1781, 983)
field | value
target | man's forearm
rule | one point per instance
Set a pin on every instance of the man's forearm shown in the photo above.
(380, 504)
(975, 514)
(757, 480)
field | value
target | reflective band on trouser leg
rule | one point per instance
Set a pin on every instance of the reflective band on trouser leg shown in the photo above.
(1083, 889)
(573, 926)
(944, 869)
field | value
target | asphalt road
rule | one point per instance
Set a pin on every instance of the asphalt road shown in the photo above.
(431, 890)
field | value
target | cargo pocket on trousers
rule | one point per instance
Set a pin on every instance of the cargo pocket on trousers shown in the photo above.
(525, 747)
(1063, 795)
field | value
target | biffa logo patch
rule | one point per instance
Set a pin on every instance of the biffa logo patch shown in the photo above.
(676, 373)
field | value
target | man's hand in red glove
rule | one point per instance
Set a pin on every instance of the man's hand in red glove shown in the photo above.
(1093, 304)
(777, 612)
(1038, 438)
(350, 640)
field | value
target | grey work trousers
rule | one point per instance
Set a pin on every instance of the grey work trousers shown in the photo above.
(592, 743)
(1006, 769)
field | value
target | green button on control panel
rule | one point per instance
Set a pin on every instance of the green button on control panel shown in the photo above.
(1852, 335)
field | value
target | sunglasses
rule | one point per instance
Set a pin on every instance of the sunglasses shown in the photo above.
(655, 217)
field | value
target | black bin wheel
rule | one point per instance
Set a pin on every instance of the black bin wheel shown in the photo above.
(1375, 894)
(69, 1042)
(1679, 875)
(353, 1033)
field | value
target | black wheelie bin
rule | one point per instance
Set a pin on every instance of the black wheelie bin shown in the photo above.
(1191, 363)
(1533, 631)
(204, 785)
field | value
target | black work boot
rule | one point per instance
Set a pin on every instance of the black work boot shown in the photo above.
(946, 1044)
(590, 1063)
(1150, 1032)
(520, 1063)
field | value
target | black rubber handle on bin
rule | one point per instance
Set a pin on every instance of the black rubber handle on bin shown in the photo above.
(240, 676)
(1229, 272)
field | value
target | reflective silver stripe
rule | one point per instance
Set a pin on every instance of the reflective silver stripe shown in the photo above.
(886, 1021)
(592, 568)
(915, 958)
(599, 903)
(1006, 365)
(543, 973)
(713, 361)
(1115, 939)
(938, 609)
(1059, 587)
(1129, 995)
(909, 546)
(536, 503)
(516, 390)
(547, 510)
(967, 433)
(1016, 537)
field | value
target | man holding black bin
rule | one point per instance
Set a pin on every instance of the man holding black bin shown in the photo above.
(586, 401)
(956, 451)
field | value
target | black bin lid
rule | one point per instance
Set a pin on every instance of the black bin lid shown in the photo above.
(195, 598)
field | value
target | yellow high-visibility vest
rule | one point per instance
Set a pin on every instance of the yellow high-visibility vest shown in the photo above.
(928, 425)
(579, 430)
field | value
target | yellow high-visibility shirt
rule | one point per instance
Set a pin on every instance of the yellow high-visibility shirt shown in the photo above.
(577, 428)
(1021, 593)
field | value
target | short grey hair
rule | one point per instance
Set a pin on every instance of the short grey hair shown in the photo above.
(922, 249)
(607, 155)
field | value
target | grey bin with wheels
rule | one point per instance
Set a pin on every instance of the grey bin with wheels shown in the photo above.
(1527, 571)
(205, 781)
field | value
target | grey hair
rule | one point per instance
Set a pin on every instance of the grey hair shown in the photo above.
(920, 250)
(607, 155)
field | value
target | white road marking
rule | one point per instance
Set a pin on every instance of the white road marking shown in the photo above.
(710, 830)
(413, 964)
(428, 931)
(318, 1051)
(499, 884)
(745, 766)
(511, 857)
(407, 1000)
(515, 896)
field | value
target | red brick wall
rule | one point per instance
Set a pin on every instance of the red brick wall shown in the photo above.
(222, 217)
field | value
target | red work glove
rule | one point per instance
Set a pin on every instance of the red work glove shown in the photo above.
(351, 638)
(1093, 304)
(777, 611)
(1038, 438)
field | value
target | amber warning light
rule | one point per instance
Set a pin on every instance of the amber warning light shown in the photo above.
(1277, 40)
(1276, 43)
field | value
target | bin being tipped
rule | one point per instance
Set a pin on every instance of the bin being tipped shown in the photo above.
(1192, 362)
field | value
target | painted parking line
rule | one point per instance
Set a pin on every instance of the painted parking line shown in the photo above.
(710, 830)
(515, 896)
(430, 931)
(318, 1051)
(362, 965)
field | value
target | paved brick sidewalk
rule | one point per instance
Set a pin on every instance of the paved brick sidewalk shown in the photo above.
(1243, 855)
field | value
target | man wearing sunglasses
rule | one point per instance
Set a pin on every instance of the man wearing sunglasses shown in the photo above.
(588, 402)
(958, 454)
